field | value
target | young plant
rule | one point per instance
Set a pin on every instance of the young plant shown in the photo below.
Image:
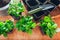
(15, 8)
(48, 26)
(6, 27)
(26, 24)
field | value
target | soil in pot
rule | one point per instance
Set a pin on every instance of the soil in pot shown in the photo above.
(4, 3)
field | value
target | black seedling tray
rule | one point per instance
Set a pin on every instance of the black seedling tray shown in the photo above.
(33, 4)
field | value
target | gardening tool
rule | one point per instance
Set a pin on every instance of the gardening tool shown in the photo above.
(41, 8)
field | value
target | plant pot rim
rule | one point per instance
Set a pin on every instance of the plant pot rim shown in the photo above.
(6, 6)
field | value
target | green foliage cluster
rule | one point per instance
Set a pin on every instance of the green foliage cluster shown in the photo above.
(26, 24)
(48, 26)
(15, 8)
(6, 27)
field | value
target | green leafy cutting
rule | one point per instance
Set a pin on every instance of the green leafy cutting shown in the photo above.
(6, 27)
(26, 24)
(15, 8)
(48, 26)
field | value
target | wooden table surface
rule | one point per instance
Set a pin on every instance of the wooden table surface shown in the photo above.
(37, 33)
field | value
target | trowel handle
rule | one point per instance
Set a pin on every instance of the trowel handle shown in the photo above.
(35, 11)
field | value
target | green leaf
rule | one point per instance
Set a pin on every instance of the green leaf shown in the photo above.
(49, 25)
(47, 19)
(5, 34)
(29, 31)
(1, 23)
(54, 26)
(33, 25)
(48, 32)
(43, 24)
